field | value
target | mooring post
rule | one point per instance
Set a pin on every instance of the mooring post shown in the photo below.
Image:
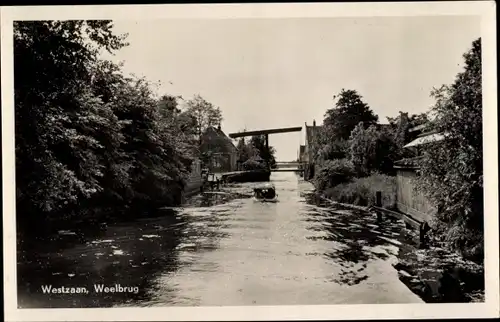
(378, 198)
(268, 161)
(424, 238)
(378, 203)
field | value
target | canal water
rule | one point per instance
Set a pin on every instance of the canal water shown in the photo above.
(224, 248)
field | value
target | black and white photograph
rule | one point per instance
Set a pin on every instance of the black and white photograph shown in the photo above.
(250, 161)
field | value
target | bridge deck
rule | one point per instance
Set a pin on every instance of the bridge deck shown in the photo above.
(261, 132)
(286, 170)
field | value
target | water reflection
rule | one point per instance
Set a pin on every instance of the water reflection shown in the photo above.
(123, 254)
(224, 248)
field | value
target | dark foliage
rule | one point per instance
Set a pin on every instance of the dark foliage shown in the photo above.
(452, 171)
(348, 112)
(90, 142)
(254, 153)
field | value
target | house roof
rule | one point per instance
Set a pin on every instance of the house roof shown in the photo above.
(420, 127)
(425, 139)
(312, 131)
(215, 136)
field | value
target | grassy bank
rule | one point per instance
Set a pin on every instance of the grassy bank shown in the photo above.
(436, 274)
(361, 191)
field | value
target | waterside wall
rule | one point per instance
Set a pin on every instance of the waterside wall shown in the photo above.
(411, 201)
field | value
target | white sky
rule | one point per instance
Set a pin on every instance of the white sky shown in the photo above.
(268, 73)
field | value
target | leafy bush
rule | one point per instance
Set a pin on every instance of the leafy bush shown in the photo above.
(349, 111)
(335, 149)
(451, 172)
(361, 191)
(255, 147)
(88, 138)
(362, 148)
(373, 149)
(333, 172)
(252, 164)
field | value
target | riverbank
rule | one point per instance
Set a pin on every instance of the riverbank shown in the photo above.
(183, 255)
(436, 274)
(439, 275)
(246, 176)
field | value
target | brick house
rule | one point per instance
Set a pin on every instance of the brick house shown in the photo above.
(310, 149)
(301, 155)
(219, 150)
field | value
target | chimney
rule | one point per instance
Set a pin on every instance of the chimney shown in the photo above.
(314, 123)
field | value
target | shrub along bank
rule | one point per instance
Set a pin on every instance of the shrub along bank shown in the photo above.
(356, 154)
(451, 171)
(91, 142)
(361, 191)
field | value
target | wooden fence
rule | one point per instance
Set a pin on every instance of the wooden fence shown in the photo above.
(411, 201)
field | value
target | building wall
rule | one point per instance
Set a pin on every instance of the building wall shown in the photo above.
(409, 200)
(310, 149)
(224, 162)
(224, 153)
(302, 156)
(233, 161)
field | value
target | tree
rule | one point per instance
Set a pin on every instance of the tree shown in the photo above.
(168, 106)
(451, 173)
(185, 122)
(402, 125)
(89, 141)
(362, 149)
(372, 149)
(63, 130)
(387, 151)
(161, 154)
(418, 119)
(258, 142)
(253, 164)
(348, 112)
(244, 152)
(330, 147)
(402, 128)
(205, 114)
(250, 152)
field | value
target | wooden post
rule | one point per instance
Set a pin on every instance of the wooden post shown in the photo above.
(268, 161)
(378, 203)
(378, 198)
(424, 238)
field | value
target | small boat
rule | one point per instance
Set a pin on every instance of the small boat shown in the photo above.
(265, 193)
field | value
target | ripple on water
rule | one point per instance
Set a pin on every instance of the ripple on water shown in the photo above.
(102, 241)
(223, 251)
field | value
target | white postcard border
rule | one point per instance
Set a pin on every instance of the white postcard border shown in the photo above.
(238, 11)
